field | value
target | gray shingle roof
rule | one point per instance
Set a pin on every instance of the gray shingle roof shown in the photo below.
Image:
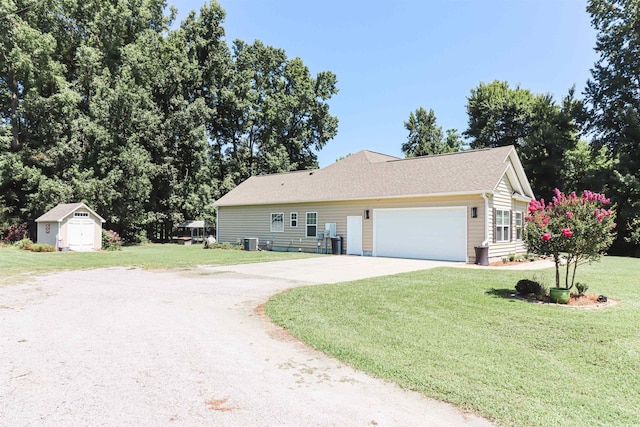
(366, 174)
(62, 210)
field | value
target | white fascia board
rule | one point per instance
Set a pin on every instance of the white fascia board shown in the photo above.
(513, 179)
(522, 176)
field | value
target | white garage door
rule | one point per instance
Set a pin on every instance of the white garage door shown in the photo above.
(80, 233)
(422, 233)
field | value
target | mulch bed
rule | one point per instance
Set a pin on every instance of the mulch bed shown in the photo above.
(505, 264)
(584, 301)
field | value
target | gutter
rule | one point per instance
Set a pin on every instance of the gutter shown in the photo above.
(486, 218)
(217, 224)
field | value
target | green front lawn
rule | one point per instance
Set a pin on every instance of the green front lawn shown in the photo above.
(15, 263)
(442, 333)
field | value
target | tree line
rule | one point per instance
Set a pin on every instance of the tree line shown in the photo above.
(102, 101)
(106, 102)
(574, 144)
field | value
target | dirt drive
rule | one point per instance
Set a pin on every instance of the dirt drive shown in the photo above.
(132, 347)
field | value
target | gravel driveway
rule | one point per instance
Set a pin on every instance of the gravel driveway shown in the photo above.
(133, 347)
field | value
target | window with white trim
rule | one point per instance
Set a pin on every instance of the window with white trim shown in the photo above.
(293, 219)
(277, 222)
(518, 226)
(312, 224)
(81, 214)
(502, 225)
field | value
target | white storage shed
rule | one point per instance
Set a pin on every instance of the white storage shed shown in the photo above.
(71, 225)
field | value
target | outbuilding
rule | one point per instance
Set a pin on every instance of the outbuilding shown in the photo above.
(71, 225)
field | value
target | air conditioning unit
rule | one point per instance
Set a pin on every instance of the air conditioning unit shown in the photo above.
(251, 244)
(330, 229)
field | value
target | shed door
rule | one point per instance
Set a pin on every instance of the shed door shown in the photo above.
(422, 233)
(80, 233)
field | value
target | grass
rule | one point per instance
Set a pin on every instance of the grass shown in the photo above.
(15, 263)
(446, 334)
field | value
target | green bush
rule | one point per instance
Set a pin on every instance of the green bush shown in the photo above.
(23, 244)
(225, 245)
(582, 288)
(527, 286)
(40, 247)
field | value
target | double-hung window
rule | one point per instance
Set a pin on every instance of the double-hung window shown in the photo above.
(312, 224)
(277, 222)
(293, 219)
(518, 226)
(502, 225)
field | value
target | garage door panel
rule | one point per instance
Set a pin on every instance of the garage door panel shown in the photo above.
(424, 233)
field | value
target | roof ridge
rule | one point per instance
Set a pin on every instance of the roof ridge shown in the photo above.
(475, 150)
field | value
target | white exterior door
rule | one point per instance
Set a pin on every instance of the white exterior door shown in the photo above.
(354, 235)
(80, 233)
(421, 233)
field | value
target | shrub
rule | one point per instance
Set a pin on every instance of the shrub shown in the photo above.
(225, 245)
(527, 286)
(582, 288)
(111, 241)
(23, 244)
(40, 247)
(512, 257)
(15, 233)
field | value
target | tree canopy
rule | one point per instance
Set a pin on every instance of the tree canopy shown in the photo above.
(613, 102)
(426, 137)
(542, 130)
(104, 102)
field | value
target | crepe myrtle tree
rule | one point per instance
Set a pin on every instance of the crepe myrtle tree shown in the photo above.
(578, 228)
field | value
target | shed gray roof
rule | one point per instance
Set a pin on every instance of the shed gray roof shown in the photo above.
(366, 175)
(63, 210)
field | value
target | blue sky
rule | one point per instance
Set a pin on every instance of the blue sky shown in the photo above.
(392, 57)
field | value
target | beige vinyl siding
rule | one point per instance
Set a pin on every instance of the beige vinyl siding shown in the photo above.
(503, 199)
(238, 222)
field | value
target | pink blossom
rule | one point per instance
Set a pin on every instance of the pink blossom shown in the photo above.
(570, 214)
(567, 232)
(546, 236)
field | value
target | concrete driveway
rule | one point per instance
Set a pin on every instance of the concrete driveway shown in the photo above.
(133, 347)
(333, 269)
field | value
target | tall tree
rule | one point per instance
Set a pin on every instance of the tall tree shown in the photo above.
(613, 96)
(498, 115)
(426, 137)
(540, 129)
(103, 102)
(274, 113)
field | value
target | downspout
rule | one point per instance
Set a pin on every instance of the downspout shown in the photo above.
(486, 219)
(217, 224)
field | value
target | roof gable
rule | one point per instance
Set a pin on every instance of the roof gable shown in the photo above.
(63, 210)
(366, 175)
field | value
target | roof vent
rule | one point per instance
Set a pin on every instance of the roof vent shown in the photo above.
(311, 173)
